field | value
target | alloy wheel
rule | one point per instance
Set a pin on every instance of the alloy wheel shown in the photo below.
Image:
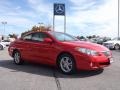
(66, 64)
(17, 58)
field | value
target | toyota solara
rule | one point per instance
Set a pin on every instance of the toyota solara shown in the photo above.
(60, 50)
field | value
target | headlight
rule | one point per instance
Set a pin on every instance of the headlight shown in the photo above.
(88, 51)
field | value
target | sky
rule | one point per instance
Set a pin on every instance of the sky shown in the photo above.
(83, 17)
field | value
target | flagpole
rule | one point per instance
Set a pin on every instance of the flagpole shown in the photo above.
(65, 23)
(64, 20)
(53, 22)
(118, 18)
(53, 18)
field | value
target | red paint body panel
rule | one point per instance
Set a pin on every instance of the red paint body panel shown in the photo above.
(47, 53)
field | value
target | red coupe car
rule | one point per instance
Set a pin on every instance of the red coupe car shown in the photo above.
(61, 50)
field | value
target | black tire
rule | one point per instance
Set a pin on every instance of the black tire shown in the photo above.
(1, 47)
(17, 58)
(117, 46)
(66, 64)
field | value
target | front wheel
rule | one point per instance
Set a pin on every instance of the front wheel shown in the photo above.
(66, 64)
(17, 58)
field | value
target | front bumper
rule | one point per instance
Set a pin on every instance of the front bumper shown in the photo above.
(92, 62)
(98, 64)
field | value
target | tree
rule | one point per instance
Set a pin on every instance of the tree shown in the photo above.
(13, 36)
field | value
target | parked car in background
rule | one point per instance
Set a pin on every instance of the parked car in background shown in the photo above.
(2, 46)
(113, 44)
(61, 50)
(95, 39)
(5, 42)
(99, 40)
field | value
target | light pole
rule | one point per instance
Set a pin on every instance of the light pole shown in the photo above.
(4, 23)
(40, 25)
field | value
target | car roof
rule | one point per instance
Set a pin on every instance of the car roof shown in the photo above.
(46, 31)
(30, 32)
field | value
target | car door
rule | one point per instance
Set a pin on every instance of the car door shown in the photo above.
(24, 45)
(40, 51)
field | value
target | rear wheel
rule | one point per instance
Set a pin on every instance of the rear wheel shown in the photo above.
(66, 64)
(17, 58)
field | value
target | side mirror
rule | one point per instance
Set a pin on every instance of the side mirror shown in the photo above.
(48, 40)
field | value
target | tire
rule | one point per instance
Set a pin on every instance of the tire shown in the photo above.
(117, 46)
(17, 58)
(66, 64)
(1, 47)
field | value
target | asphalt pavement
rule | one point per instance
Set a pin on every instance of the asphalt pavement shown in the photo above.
(40, 77)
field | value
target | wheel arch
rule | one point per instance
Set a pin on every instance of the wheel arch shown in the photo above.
(117, 44)
(15, 50)
(2, 47)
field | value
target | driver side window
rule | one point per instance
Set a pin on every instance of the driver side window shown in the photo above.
(27, 37)
(39, 36)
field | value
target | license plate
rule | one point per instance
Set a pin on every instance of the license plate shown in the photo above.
(111, 60)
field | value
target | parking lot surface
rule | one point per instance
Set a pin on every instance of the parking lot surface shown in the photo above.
(40, 77)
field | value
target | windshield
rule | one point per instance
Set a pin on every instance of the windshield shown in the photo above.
(63, 36)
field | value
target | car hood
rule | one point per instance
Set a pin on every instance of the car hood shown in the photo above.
(88, 45)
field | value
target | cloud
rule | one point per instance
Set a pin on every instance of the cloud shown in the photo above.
(84, 17)
(17, 18)
(86, 4)
(41, 7)
(100, 20)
